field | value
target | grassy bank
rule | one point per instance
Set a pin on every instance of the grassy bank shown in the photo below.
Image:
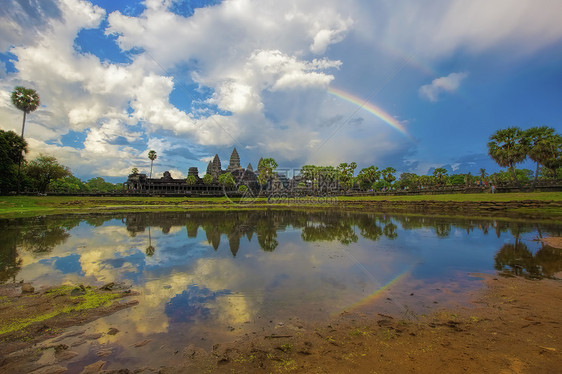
(27, 206)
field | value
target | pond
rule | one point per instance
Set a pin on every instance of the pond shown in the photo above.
(208, 277)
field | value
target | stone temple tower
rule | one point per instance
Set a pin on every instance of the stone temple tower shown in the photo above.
(214, 168)
(234, 161)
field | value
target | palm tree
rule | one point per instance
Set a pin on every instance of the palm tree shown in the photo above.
(26, 100)
(266, 169)
(150, 249)
(507, 149)
(483, 173)
(440, 174)
(541, 145)
(554, 162)
(152, 156)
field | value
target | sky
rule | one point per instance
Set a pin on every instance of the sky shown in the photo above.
(412, 85)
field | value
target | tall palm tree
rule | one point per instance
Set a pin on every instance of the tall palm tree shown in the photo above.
(26, 100)
(507, 149)
(152, 156)
(440, 174)
(554, 162)
(542, 144)
(483, 173)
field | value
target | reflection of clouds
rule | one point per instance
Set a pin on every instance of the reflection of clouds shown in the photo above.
(216, 275)
(148, 316)
(289, 279)
(206, 289)
(94, 262)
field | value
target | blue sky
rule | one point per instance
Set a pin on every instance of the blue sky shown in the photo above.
(193, 78)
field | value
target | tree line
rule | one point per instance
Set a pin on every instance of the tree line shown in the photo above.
(42, 174)
(508, 147)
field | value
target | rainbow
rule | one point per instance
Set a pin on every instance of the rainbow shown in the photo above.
(371, 108)
(378, 293)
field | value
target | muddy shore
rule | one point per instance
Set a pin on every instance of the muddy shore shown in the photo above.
(512, 325)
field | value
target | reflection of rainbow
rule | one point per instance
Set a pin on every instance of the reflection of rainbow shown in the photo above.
(378, 293)
(371, 108)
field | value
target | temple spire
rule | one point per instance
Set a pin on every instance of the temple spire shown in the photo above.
(234, 161)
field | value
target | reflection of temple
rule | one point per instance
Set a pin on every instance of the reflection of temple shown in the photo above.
(168, 185)
(235, 229)
(232, 227)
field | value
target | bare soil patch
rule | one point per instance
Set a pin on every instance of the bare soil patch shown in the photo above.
(555, 242)
(28, 317)
(513, 326)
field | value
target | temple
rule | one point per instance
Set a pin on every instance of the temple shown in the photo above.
(140, 183)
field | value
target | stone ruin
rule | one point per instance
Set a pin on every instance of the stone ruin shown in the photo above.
(140, 183)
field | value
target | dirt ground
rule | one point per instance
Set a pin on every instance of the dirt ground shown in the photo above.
(513, 325)
(555, 242)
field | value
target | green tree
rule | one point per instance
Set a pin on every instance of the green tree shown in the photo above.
(483, 173)
(98, 184)
(457, 179)
(207, 179)
(266, 167)
(367, 177)
(226, 180)
(310, 173)
(135, 171)
(151, 156)
(26, 100)
(506, 148)
(543, 146)
(388, 174)
(522, 175)
(242, 188)
(427, 180)
(440, 175)
(45, 169)
(11, 148)
(345, 173)
(191, 180)
(69, 184)
(410, 180)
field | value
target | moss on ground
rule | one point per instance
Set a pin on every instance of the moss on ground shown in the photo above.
(87, 299)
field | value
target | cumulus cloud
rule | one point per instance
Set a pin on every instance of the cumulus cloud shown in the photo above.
(265, 66)
(450, 83)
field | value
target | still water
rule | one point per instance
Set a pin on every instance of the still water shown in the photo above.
(211, 276)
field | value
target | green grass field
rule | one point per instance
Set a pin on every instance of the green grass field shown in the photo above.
(26, 206)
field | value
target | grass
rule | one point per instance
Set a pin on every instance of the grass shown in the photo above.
(90, 300)
(479, 197)
(26, 206)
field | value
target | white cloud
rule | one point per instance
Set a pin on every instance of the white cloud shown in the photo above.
(433, 30)
(268, 63)
(450, 83)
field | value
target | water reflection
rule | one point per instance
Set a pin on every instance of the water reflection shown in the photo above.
(38, 236)
(518, 260)
(199, 272)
